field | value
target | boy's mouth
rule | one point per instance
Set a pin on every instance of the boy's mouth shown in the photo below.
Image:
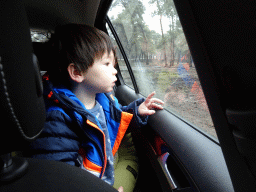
(114, 82)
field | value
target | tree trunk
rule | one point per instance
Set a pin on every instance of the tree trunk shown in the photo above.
(178, 60)
(165, 58)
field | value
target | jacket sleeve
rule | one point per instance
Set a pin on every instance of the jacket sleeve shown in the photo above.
(137, 120)
(57, 141)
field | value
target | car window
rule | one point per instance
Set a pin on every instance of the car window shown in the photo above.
(38, 35)
(154, 42)
(121, 63)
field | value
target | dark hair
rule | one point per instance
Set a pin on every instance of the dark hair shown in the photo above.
(78, 44)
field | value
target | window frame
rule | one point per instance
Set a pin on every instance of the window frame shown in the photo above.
(126, 60)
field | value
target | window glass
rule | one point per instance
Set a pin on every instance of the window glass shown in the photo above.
(38, 35)
(153, 39)
(121, 63)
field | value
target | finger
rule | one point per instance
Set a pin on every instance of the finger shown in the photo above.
(147, 112)
(151, 112)
(151, 95)
(121, 189)
(156, 106)
(155, 100)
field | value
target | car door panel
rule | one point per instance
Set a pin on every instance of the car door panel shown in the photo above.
(224, 64)
(200, 158)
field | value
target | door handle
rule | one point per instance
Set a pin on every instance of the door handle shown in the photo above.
(162, 161)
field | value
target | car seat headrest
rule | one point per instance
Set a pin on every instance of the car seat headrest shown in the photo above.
(43, 53)
(21, 102)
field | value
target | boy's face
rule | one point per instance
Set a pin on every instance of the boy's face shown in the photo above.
(101, 76)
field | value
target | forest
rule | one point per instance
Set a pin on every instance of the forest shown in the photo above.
(142, 43)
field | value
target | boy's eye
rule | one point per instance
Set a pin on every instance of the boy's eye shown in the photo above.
(109, 63)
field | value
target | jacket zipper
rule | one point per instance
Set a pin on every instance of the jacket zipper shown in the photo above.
(98, 147)
(86, 134)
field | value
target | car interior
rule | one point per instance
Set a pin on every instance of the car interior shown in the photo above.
(174, 155)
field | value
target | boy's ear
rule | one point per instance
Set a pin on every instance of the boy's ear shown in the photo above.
(74, 73)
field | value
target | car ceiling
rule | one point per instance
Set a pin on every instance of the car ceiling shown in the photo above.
(47, 14)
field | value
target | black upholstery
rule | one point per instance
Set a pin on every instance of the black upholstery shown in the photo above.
(22, 106)
(43, 54)
(21, 102)
(55, 176)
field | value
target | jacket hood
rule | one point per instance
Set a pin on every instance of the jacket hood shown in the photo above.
(61, 96)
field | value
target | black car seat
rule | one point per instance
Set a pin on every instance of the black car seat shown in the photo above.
(23, 114)
(43, 53)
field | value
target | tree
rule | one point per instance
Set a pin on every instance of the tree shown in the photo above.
(167, 9)
(182, 46)
(139, 41)
(160, 12)
(131, 18)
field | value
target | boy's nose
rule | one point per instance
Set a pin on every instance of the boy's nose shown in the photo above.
(114, 71)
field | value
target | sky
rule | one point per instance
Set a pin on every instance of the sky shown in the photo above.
(152, 22)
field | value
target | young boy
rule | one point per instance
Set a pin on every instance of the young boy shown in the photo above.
(85, 124)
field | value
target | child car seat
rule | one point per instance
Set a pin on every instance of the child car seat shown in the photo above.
(23, 114)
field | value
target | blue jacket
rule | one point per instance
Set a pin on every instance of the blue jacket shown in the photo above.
(73, 135)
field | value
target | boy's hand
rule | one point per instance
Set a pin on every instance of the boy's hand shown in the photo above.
(146, 108)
